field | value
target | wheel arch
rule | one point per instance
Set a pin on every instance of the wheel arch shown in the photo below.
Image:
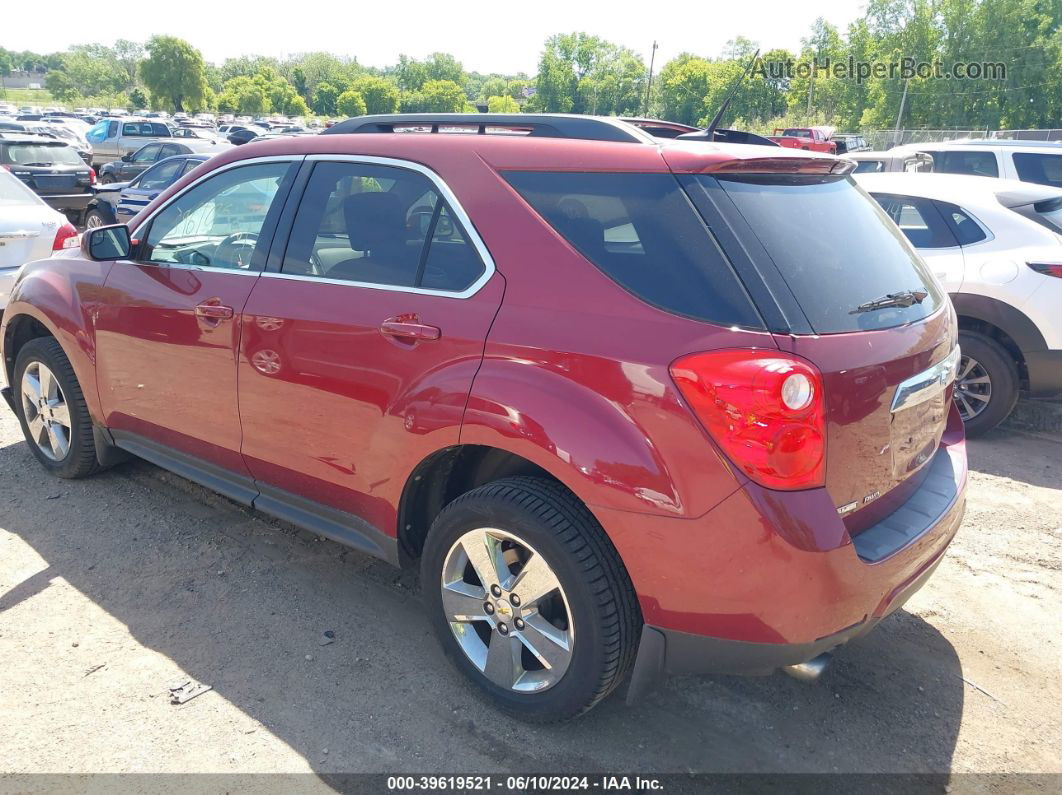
(445, 475)
(1004, 324)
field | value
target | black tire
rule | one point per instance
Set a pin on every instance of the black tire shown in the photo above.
(80, 458)
(105, 179)
(1003, 372)
(599, 592)
(103, 219)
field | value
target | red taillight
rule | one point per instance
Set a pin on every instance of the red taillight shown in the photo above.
(66, 237)
(92, 176)
(766, 410)
(1047, 268)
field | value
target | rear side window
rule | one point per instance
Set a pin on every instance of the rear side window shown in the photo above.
(373, 224)
(967, 230)
(919, 220)
(978, 164)
(1042, 169)
(835, 248)
(642, 232)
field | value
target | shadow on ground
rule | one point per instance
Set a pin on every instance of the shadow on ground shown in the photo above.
(147, 547)
(1035, 459)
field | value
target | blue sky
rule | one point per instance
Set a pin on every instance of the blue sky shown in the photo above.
(485, 36)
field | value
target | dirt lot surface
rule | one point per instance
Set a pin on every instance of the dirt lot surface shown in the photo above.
(113, 588)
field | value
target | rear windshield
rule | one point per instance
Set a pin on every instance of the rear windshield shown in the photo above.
(835, 247)
(1040, 168)
(33, 154)
(642, 232)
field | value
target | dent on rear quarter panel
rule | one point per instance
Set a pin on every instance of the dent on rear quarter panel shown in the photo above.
(62, 293)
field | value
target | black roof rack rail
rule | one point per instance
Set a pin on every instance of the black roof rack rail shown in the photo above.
(542, 125)
(725, 136)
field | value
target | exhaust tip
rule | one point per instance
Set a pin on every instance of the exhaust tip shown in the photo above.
(811, 670)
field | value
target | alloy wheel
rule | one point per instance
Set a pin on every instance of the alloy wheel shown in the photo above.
(46, 410)
(973, 388)
(507, 610)
(92, 221)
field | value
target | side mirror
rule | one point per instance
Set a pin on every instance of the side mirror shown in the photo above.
(107, 242)
(127, 157)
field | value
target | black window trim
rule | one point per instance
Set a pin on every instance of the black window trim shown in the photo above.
(933, 203)
(287, 220)
(262, 252)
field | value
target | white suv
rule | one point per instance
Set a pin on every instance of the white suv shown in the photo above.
(995, 245)
(1028, 161)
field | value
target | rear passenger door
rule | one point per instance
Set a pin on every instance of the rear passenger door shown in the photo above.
(925, 226)
(362, 337)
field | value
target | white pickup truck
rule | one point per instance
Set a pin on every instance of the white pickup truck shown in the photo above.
(112, 139)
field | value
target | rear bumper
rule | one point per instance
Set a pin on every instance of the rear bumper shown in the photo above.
(770, 579)
(1045, 373)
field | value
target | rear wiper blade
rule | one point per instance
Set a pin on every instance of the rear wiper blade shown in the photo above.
(904, 298)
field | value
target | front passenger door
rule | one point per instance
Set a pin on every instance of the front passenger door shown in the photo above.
(167, 336)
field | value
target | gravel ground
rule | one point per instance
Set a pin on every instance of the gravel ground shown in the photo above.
(116, 587)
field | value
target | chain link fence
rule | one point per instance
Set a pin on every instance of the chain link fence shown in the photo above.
(886, 139)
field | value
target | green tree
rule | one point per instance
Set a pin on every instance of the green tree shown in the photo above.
(138, 99)
(579, 73)
(443, 96)
(350, 103)
(503, 104)
(380, 94)
(324, 99)
(245, 95)
(298, 79)
(61, 87)
(174, 72)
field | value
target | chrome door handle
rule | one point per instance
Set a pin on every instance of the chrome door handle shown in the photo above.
(409, 330)
(214, 311)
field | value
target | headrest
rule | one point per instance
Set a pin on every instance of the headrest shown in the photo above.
(374, 219)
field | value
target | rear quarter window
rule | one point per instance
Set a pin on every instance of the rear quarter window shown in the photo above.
(643, 233)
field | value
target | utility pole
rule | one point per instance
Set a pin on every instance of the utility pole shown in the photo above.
(899, 116)
(811, 89)
(649, 88)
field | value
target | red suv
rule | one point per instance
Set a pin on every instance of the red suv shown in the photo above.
(637, 406)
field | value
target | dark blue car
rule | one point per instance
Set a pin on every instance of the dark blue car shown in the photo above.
(118, 202)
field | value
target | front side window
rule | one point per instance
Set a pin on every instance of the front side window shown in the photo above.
(160, 176)
(643, 233)
(98, 133)
(379, 225)
(146, 155)
(216, 223)
(977, 164)
(1043, 169)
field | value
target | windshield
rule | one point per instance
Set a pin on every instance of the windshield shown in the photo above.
(835, 248)
(27, 154)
